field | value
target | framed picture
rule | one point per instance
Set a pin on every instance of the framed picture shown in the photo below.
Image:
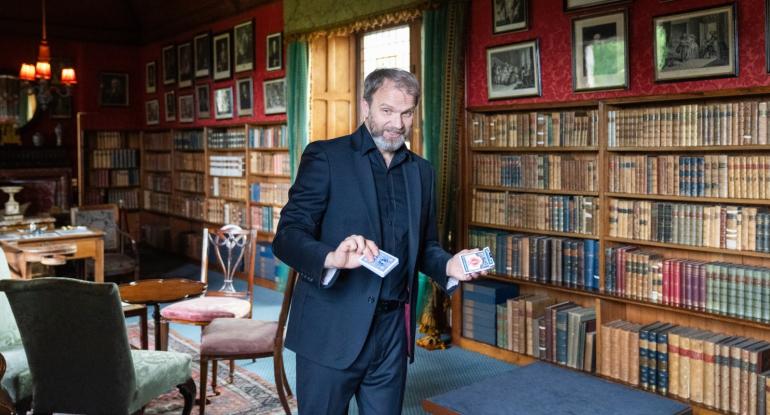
(61, 107)
(513, 70)
(204, 101)
(274, 96)
(170, 106)
(169, 65)
(152, 112)
(113, 89)
(223, 103)
(185, 61)
(222, 64)
(274, 58)
(696, 44)
(243, 46)
(767, 35)
(600, 52)
(245, 97)
(582, 4)
(202, 49)
(150, 77)
(509, 15)
(186, 108)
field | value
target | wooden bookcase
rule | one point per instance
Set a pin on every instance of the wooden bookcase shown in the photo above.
(630, 132)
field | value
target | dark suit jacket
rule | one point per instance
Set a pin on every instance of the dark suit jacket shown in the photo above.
(333, 197)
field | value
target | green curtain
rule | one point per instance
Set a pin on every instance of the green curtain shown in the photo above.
(444, 30)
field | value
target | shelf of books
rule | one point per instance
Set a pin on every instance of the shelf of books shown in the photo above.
(642, 256)
(157, 156)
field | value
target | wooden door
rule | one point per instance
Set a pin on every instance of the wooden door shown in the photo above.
(333, 105)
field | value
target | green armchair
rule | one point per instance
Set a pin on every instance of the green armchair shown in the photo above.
(75, 339)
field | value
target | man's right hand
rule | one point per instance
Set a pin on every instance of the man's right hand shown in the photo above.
(350, 249)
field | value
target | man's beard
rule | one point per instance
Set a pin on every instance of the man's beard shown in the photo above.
(383, 144)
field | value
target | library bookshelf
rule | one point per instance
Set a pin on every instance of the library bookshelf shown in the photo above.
(669, 194)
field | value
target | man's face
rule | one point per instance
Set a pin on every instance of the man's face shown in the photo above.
(390, 116)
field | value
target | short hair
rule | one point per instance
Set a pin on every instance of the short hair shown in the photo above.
(403, 79)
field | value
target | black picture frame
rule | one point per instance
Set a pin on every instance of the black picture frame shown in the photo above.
(185, 64)
(513, 70)
(245, 96)
(509, 16)
(274, 51)
(223, 59)
(150, 77)
(243, 46)
(186, 108)
(170, 105)
(600, 52)
(202, 53)
(572, 5)
(203, 100)
(113, 89)
(152, 112)
(696, 44)
(274, 96)
(168, 56)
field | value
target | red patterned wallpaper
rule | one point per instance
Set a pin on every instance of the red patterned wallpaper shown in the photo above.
(552, 26)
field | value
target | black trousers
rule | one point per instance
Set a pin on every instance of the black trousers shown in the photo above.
(377, 377)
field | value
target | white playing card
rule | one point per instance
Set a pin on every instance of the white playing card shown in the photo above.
(382, 263)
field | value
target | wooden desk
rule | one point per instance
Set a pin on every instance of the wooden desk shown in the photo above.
(89, 244)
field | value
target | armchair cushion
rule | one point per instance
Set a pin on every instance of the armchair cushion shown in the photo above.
(238, 336)
(206, 309)
(17, 380)
(105, 219)
(156, 373)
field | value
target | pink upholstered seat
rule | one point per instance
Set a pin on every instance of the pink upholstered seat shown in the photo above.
(206, 309)
(238, 336)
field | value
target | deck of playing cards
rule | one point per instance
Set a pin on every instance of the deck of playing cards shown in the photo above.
(477, 261)
(382, 264)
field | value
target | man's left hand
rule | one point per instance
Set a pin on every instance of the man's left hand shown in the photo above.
(454, 267)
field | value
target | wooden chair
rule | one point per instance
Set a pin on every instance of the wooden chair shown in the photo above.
(232, 338)
(121, 256)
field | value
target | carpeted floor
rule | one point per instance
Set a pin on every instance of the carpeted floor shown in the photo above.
(433, 372)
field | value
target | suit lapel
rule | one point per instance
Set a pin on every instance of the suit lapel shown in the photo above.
(414, 201)
(365, 178)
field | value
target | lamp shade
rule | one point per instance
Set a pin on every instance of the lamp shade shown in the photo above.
(27, 72)
(43, 70)
(68, 76)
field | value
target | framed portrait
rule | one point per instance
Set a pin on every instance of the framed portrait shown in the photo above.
(152, 112)
(170, 105)
(186, 108)
(513, 70)
(245, 97)
(113, 89)
(582, 4)
(202, 52)
(185, 63)
(274, 58)
(509, 15)
(204, 101)
(274, 92)
(150, 77)
(696, 44)
(222, 64)
(61, 107)
(223, 103)
(243, 46)
(169, 64)
(600, 52)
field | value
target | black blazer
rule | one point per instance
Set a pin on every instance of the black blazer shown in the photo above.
(333, 197)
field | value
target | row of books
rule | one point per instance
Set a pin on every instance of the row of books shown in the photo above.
(157, 161)
(270, 163)
(265, 218)
(480, 301)
(188, 140)
(733, 290)
(158, 141)
(115, 159)
(193, 207)
(228, 187)
(268, 137)
(227, 138)
(190, 161)
(266, 265)
(126, 198)
(722, 372)
(192, 244)
(220, 211)
(116, 140)
(706, 176)
(228, 166)
(707, 124)
(190, 182)
(156, 235)
(575, 214)
(274, 193)
(553, 260)
(728, 227)
(158, 183)
(535, 171)
(535, 129)
(159, 202)
(108, 178)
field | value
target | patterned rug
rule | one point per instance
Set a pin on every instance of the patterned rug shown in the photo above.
(247, 395)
